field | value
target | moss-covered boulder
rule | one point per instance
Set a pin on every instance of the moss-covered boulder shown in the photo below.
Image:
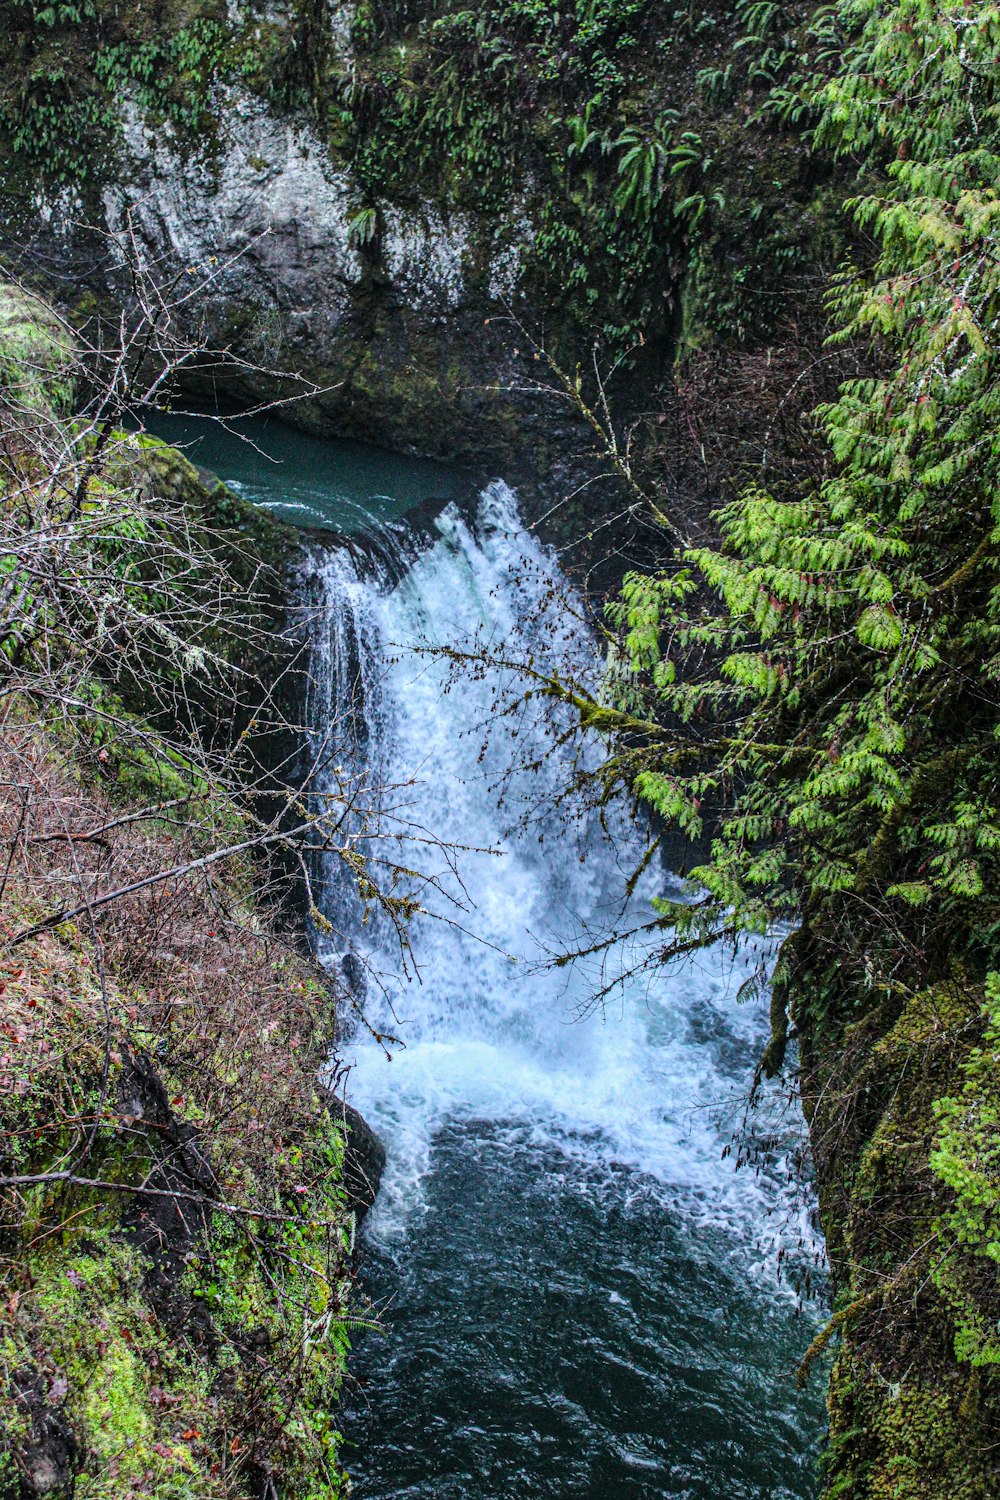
(37, 357)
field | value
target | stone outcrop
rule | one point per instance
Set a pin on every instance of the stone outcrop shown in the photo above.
(364, 1160)
(400, 345)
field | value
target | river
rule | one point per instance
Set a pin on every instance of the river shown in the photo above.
(580, 1295)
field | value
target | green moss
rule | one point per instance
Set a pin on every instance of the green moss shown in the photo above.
(908, 1419)
(168, 1387)
(915, 1438)
(166, 472)
(37, 365)
(966, 1159)
(130, 1391)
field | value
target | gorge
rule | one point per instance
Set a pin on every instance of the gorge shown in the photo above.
(680, 325)
(555, 1171)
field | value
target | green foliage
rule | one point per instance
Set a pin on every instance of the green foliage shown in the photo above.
(37, 364)
(52, 126)
(61, 109)
(842, 703)
(167, 77)
(643, 166)
(967, 1159)
(461, 105)
(824, 679)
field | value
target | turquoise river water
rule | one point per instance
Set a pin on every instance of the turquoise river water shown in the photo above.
(579, 1293)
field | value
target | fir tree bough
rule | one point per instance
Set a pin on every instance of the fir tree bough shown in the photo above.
(825, 679)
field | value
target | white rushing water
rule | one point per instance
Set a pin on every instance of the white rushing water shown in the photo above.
(577, 1290)
(654, 1080)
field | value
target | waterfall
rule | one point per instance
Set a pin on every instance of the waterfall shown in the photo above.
(652, 1080)
(578, 1288)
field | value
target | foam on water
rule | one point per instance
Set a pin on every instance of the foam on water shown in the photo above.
(655, 1081)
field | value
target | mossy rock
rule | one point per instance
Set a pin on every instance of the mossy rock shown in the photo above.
(909, 1420)
(37, 359)
(915, 1438)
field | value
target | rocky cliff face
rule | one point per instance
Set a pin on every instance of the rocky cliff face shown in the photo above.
(405, 204)
(392, 346)
(399, 352)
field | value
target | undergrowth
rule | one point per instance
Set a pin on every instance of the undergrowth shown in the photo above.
(175, 1237)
